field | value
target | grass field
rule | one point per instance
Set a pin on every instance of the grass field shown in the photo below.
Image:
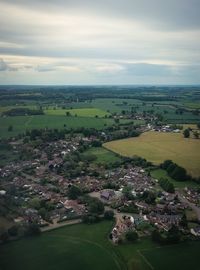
(103, 155)
(159, 173)
(82, 112)
(76, 247)
(7, 108)
(80, 247)
(22, 123)
(183, 256)
(157, 147)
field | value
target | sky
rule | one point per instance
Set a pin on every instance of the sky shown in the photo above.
(90, 42)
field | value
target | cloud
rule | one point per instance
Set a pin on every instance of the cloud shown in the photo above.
(44, 68)
(3, 65)
(178, 14)
(129, 40)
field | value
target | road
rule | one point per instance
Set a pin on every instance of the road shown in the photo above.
(56, 225)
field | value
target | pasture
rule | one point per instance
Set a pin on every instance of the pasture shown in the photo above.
(81, 112)
(157, 147)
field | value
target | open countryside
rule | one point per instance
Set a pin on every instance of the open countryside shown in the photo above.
(23, 123)
(157, 147)
(100, 135)
(82, 112)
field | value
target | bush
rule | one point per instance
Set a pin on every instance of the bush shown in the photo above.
(131, 236)
(32, 229)
(186, 133)
(13, 231)
(90, 218)
(109, 214)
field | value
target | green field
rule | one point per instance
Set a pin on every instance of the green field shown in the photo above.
(183, 256)
(159, 173)
(103, 155)
(157, 147)
(82, 112)
(22, 123)
(7, 108)
(73, 248)
(84, 246)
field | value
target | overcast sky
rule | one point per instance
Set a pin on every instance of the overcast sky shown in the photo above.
(100, 42)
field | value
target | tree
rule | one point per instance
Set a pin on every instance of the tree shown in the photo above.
(179, 173)
(68, 113)
(127, 192)
(96, 143)
(73, 192)
(196, 134)
(183, 221)
(156, 237)
(149, 197)
(131, 236)
(96, 206)
(166, 185)
(4, 237)
(13, 230)
(109, 214)
(166, 164)
(10, 128)
(32, 229)
(90, 218)
(186, 133)
(173, 236)
(35, 203)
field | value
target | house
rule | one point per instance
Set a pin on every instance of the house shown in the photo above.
(107, 194)
(195, 231)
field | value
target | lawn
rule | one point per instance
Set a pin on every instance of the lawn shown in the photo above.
(157, 147)
(103, 155)
(22, 123)
(82, 112)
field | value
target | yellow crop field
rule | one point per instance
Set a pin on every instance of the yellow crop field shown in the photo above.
(157, 147)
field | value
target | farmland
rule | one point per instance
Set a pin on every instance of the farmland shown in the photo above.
(157, 147)
(70, 246)
(22, 123)
(82, 112)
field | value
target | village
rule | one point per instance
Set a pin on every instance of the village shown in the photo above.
(42, 193)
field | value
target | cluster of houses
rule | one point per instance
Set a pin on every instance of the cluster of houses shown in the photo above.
(47, 185)
(123, 224)
(163, 128)
(192, 195)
